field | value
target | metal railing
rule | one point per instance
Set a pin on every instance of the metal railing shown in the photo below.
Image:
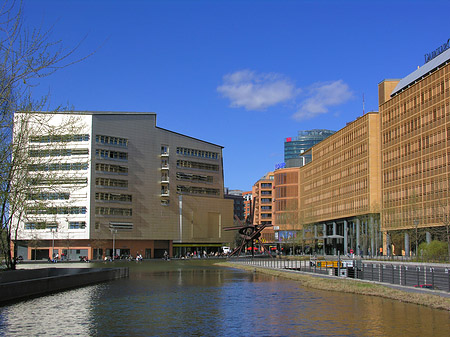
(403, 274)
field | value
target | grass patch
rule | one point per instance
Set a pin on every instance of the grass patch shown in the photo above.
(351, 286)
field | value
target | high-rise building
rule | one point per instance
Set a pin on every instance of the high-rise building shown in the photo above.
(263, 201)
(332, 203)
(295, 147)
(415, 150)
(381, 184)
(123, 186)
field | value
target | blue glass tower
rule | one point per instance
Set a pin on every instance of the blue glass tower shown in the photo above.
(294, 147)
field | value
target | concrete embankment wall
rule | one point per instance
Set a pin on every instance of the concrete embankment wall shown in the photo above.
(20, 284)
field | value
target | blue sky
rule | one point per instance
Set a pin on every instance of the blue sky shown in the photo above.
(240, 74)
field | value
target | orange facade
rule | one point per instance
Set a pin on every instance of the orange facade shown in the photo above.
(262, 193)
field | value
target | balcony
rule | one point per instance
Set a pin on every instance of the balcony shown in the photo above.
(165, 193)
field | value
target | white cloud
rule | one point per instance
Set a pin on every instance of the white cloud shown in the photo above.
(254, 91)
(321, 97)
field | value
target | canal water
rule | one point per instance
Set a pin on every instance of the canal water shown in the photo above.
(197, 298)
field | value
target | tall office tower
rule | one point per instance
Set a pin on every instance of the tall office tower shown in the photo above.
(296, 146)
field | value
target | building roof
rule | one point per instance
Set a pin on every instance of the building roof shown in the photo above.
(423, 71)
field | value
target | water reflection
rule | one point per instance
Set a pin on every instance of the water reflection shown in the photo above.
(196, 298)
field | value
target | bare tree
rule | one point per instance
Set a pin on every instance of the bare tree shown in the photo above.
(25, 57)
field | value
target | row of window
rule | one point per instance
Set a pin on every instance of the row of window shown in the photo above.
(349, 189)
(422, 97)
(58, 167)
(111, 182)
(414, 124)
(77, 225)
(415, 145)
(58, 210)
(338, 142)
(59, 138)
(54, 225)
(57, 152)
(113, 211)
(107, 154)
(111, 168)
(109, 140)
(41, 225)
(58, 181)
(194, 177)
(286, 178)
(49, 196)
(355, 170)
(197, 165)
(346, 206)
(412, 194)
(197, 153)
(415, 168)
(197, 190)
(113, 197)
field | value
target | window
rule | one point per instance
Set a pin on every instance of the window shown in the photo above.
(107, 154)
(197, 165)
(113, 211)
(111, 182)
(113, 197)
(109, 140)
(41, 225)
(197, 153)
(58, 167)
(197, 190)
(58, 210)
(48, 196)
(59, 138)
(77, 225)
(57, 152)
(164, 149)
(194, 177)
(111, 168)
(60, 181)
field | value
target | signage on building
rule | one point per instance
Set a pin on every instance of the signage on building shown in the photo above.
(437, 51)
(280, 166)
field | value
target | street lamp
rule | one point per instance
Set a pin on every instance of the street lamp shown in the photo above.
(113, 232)
(416, 223)
(53, 230)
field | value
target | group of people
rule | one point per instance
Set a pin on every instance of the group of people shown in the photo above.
(128, 258)
(204, 254)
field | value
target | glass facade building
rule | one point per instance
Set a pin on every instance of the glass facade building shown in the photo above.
(294, 147)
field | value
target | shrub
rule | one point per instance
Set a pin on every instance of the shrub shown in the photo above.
(433, 250)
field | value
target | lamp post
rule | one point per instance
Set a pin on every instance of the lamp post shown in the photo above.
(113, 232)
(416, 223)
(53, 230)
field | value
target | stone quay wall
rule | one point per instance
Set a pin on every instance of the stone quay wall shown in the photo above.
(22, 284)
